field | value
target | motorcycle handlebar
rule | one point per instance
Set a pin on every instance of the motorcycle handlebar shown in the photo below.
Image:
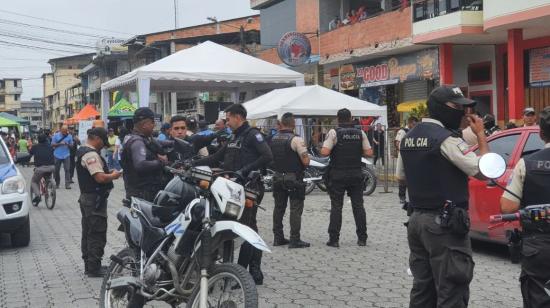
(504, 217)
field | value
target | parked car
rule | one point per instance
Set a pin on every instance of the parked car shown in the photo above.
(14, 200)
(511, 144)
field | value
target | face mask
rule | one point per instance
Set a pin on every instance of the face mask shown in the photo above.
(449, 117)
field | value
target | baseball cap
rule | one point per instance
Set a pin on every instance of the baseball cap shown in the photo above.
(101, 133)
(450, 93)
(528, 110)
(143, 113)
(165, 126)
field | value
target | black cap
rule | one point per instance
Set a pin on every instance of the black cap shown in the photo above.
(143, 113)
(528, 111)
(101, 133)
(450, 93)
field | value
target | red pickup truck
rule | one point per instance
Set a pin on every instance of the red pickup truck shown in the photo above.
(485, 198)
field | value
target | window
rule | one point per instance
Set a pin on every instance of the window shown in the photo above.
(504, 146)
(2, 99)
(1, 84)
(533, 144)
(480, 73)
(17, 97)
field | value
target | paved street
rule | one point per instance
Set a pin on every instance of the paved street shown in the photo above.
(49, 273)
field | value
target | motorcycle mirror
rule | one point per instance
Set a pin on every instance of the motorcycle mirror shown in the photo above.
(492, 165)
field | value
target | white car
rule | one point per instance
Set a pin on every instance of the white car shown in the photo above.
(14, 200)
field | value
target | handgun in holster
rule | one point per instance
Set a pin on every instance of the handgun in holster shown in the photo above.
(101, 198)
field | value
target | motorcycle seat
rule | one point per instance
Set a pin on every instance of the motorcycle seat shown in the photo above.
(158, 216)
(321, 160)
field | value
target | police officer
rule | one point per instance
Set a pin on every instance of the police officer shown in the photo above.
(290, 158)
(435, 163)
(142, 158)
(411, 123)
(95, 182)
(245, 151)
(346, 145)
(531, 182)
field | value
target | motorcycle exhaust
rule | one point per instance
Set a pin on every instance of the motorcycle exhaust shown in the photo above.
(314, 179)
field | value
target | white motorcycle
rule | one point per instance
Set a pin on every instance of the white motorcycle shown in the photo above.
(180, 248)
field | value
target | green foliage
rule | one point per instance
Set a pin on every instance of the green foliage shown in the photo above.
(420, 112)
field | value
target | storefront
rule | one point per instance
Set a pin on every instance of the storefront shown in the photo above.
(402, 82)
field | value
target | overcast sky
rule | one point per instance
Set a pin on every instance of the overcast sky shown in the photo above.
(125, 17)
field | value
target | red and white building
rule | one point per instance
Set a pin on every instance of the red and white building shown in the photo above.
(497, 51)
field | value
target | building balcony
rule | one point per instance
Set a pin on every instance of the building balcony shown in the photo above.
(11, 90)
(515, 14)
(447, 21)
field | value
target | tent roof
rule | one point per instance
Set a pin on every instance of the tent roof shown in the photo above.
(14, 118)
(86, 113)
(207, 65)
(309, 101)
(122, 108)
(4, 122)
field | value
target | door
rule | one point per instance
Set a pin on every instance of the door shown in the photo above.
(484, 197)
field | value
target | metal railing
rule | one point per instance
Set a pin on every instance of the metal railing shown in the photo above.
(426, 9)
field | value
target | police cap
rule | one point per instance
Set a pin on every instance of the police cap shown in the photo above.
(101, 133)
(450, 93)
(143, 113)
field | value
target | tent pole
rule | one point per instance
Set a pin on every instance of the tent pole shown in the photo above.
(105, 104)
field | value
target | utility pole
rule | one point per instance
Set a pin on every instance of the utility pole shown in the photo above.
(242, 39)
(175, 14)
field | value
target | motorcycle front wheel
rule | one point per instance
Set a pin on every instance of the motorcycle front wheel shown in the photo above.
(229, 285)
(310, 185)
(130, 267)
(370, 181)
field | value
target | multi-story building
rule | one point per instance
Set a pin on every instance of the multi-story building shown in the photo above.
(363, 48)
(73, 100)
(498, 51)
(32, 111)
(10, 94)
(240, 34)
(64, 75)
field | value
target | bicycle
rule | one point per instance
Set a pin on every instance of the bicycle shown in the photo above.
(47, 190)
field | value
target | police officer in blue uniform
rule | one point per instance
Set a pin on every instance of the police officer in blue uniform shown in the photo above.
(531, 182)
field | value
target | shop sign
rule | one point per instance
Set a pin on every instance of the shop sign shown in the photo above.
(107, 46)
(421, 65)
(294, 49)
(539, 67)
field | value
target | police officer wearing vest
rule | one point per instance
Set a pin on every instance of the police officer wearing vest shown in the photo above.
(346, 145)
(411, 123)
(530, 183)
(245, 151)
(95, 182)
(290, 159)
(142, 158)
(435, 163)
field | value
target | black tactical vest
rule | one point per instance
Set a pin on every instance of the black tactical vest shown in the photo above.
(346, 154)
(536, 187)
(131, 177)
(431, 178)
(86, 182)
(240, 149)
(285, 160)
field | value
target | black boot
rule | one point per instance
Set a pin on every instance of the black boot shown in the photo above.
(255, 267)
(298, 244)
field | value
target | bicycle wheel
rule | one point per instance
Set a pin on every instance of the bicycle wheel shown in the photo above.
(49, 197)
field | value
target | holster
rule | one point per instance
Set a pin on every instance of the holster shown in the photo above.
(456, 219)
(101, 199)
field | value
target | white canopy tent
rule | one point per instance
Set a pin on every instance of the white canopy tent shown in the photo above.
(310, 101)
(207, 66)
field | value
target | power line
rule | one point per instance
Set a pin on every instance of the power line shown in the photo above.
(21, 24)
(22, 37)
(63, 23)
(14, 44)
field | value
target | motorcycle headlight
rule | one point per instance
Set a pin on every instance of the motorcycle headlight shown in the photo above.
(232, 209)
(14, 184)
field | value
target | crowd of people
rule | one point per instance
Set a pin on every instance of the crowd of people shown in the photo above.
(433, 164)
(362, 12)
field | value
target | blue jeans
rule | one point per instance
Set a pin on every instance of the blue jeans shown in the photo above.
(112, 163)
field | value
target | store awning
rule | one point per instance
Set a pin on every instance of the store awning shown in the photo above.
(17, 119)
(122, 108)
(410, 105)
(4, 122)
